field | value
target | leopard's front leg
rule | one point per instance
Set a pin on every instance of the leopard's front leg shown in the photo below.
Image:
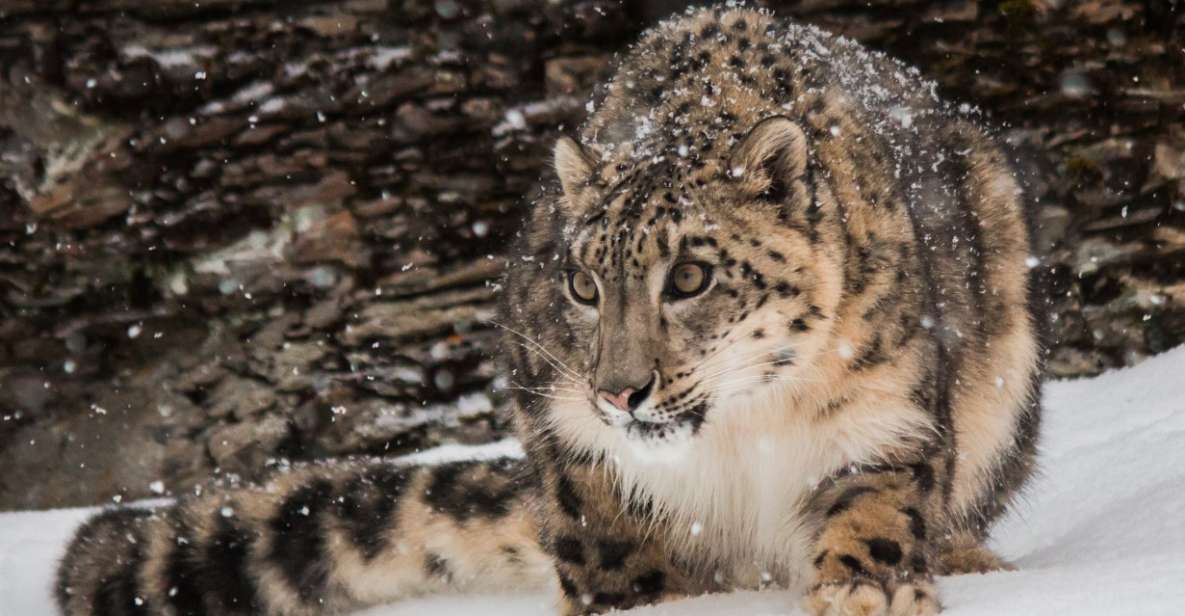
(873, 555)
(607, 554)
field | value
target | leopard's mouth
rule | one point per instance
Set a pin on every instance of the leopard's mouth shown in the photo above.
(685, 424)
(657, 421)
(645, 431)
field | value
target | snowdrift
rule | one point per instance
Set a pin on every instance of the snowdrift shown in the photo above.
(1101, 531)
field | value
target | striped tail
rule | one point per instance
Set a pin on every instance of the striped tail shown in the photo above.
(318, 540)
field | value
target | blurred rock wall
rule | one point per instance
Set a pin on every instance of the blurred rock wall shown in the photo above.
(236, 233)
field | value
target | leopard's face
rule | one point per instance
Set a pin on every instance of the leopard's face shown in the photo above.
(685, 293)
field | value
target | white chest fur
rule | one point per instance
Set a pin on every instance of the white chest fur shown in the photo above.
(733, 495)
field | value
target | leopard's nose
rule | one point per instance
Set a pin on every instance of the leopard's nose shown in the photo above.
(621, 399)
(629, 398)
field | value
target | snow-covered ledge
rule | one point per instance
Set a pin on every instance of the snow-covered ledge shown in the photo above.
(1099, 532)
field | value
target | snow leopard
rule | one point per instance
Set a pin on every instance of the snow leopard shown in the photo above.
(772, 321)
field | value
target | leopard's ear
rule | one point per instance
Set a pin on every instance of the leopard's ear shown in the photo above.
(575, 165)
(772, 155)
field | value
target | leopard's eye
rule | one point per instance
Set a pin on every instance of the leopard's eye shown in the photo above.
(582, 287)
(689, 279)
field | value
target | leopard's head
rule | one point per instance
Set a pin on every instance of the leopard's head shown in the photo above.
(690, 283)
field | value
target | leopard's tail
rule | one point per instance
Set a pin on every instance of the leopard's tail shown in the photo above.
(316, 540)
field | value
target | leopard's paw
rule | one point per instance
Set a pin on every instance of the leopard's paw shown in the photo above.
(915, 598)
(962, 559)
(853, 598)
(863, 597)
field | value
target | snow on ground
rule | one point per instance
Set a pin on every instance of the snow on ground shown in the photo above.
(1102, 530)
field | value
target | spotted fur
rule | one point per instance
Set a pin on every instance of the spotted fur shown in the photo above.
(854, 399)
(319, 540)
(843, 407)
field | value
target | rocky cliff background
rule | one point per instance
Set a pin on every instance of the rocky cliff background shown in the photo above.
(240, 233)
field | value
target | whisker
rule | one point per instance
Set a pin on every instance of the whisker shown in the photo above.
(558, 398)
(707, 361)
(541, 348)
(544, 390)
(553, 363)
(574, 393)
(767, 379)
(718, 352)
(733, 369)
